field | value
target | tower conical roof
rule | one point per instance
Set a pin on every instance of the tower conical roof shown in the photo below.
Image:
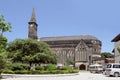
(33, 18)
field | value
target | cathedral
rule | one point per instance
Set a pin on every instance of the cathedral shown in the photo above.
(79, 51)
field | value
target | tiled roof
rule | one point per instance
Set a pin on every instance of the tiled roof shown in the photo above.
(64, 38)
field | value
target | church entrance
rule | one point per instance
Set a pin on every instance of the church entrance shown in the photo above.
(82, 67)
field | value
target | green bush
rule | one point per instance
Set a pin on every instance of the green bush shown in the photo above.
(54, 72)
(50, 67)
(22, 72)
(19, 66)
(8, 71)
(44, 72)
(41, 71)
(39, 67)
(35, 72)
(63, 72)
(15, 66)
(66, 68)
(25, 66)
(75, 71)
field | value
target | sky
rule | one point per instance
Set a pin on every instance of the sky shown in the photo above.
(99, 18)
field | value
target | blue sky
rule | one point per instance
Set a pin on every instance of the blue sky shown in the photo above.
(100, 18)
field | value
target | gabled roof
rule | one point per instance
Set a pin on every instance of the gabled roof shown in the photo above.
(117, 38)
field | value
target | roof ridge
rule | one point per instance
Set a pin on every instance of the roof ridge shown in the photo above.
(84, 37)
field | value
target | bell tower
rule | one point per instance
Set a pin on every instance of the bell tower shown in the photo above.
(32, 27)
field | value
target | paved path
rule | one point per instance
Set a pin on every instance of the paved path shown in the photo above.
(80, 76)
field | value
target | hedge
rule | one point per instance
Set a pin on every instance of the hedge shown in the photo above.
(41, 71)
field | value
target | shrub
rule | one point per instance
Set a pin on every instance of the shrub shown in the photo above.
(15, 66)
(63, 71)
(54, 72)
(50, 67)
(35, 72)
(22, 72)
(41, 72)
(39, 67)
(67, 68)
(75, 71)
(25, 66)
(8, 71)
(19, 66)
(44, 72)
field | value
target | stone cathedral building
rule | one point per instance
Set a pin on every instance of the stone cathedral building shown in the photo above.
(77, 50)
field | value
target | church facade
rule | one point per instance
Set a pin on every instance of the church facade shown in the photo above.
(80, 51)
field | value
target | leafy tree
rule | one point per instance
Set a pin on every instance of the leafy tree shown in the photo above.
(107, 55)
(3, 43)
(30, 51)
(4, 27)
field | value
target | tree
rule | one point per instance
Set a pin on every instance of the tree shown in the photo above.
(4, 27)
(3, 43)
(30, 51)
(107, 55)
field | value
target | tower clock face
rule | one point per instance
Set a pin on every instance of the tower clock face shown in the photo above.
(31, 25)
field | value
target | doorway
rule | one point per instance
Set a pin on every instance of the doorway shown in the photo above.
(82, 67)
